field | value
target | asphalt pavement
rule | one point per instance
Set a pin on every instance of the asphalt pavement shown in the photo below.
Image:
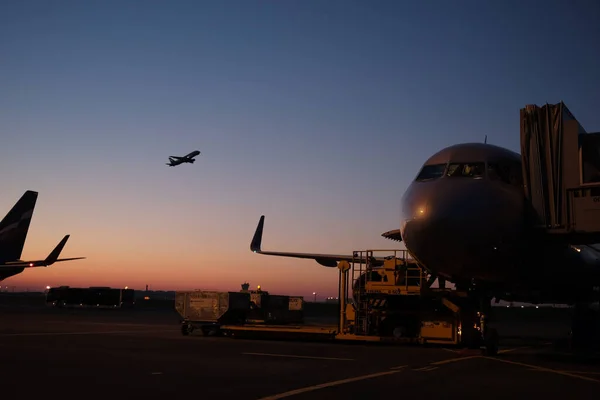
(116, 353)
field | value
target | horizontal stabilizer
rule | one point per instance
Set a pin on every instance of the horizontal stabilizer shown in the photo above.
(51, 259)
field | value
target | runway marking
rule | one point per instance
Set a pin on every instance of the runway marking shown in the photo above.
(400, 367)
(572, 372)
(451, 350)
(513, 349)
(328, 384)
(425, 369)
(295, 356)
(535, 367)
(79, 333)
(157, 373)
(453, 360)
(105, 323)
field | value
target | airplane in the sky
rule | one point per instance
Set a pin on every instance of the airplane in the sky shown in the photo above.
(470, 217)
(13, 232)
(176, 160)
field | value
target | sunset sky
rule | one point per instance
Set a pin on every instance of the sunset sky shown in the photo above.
(317, 114)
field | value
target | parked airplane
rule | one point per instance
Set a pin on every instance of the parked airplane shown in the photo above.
(468, 217)
(13, 232)
(462, 219)
(176, 160)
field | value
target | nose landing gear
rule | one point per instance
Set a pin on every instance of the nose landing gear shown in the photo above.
(482, 335)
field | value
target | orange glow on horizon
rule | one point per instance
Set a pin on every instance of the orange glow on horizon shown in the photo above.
(274, 274)
(130, 245)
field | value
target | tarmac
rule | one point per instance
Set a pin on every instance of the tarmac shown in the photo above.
(119, 353)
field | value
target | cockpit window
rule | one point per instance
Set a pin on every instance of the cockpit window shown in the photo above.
(466, 170)
(509, 173)
(499, 173)
(429, 172)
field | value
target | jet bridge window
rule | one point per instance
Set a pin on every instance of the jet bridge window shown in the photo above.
(590, 157)
(429, 172)
(466, 170)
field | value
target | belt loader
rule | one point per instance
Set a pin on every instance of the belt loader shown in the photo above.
(395, 302)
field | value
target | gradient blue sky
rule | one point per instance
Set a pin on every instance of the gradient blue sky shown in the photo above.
(317, 114)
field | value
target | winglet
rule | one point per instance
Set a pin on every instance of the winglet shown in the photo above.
(255, 245)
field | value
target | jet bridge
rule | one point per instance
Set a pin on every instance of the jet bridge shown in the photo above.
(561, 172)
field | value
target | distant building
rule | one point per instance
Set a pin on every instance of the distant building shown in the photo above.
(332, 300)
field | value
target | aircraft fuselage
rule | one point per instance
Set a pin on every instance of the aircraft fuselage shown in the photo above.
(466, 218)
(7, 273)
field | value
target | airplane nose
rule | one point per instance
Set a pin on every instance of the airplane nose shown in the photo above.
(439, 221)
(415, 202)
(429, 220)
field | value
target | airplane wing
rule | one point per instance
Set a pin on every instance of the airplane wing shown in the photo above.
(327, 260)
(193, 154)
(51, 259)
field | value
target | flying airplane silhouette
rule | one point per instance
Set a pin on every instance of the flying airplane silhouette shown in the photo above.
(176, 160)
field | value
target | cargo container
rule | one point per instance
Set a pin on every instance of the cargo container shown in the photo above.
(207, 310)
(275, 309)
(283, 309)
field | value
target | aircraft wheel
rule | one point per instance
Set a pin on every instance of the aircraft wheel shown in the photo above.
(211, 331)
(491, 343)
(186, 329)
(399, 332)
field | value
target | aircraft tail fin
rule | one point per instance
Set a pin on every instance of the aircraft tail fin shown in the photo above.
(15, 225)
